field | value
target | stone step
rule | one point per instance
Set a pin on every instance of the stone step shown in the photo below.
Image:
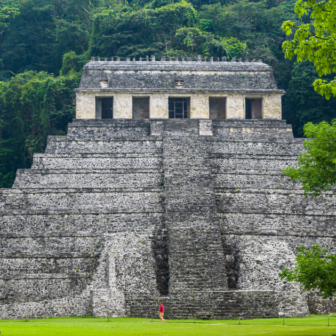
(109, 128)
(175, 127)
(77, 224)
(231, 163)
(252, 180)
(16, 268)
(35, 290)
(274, 202)
(79, 201)
(218, 146)
(36, 178)
(252, 129)
(229, 304)
(81, 161)
(277, 224)
(58, 145)
(50, 247)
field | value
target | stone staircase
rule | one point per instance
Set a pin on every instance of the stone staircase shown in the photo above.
(195, 248)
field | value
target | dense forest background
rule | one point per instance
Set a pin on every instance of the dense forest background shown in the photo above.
(44, 44)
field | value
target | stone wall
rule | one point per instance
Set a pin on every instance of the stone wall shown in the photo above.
(199, 104)
(119, 214)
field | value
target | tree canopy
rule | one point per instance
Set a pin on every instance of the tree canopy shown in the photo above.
(9, 9)
(317, 165)
(314, 269)
(315, 40)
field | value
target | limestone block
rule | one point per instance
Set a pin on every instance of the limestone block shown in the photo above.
(85, 106)
(205, 127)
(158, 106)
(122, 108)
(272, 106)
(199, 107)
(235, 107)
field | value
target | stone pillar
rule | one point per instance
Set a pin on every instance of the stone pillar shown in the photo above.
(158, 106)
(199, 107)
(85, 106)
(98, 108)
(272, 106)
(122, 106)
(235, 107)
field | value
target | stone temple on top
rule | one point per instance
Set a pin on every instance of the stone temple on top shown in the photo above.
(167, 187)
(178, 90)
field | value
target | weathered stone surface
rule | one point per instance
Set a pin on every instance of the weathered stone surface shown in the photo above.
(122, 213)
(162, 75)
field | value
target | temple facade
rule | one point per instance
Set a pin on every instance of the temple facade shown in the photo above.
(166, 89)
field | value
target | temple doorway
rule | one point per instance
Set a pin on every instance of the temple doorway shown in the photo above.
(217, 107)
(179, 108)
(107, 108)
(140, 107)
(253, 108)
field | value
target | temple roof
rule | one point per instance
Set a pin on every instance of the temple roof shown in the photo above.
(182, 76)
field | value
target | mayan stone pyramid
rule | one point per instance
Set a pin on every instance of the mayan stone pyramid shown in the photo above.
(194, 211)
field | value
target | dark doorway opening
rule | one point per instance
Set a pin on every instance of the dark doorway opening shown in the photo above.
(107, 108)
(140, 107)
(253, 108)
(217, 107)
(179, 108)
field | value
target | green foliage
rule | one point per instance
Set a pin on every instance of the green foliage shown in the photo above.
(317, 165)
(252, 23)
(203, 43)
(9, 9)
(73, 63)
(140, 33)
(315, 41)
(314, 269)
(44, 31)
(32, 106)
(233, 47)
(302, 103)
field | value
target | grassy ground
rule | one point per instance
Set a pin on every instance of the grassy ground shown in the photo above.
(85, 326)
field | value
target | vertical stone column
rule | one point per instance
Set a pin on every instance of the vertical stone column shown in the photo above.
(122, 106)
(199, 107)
(85, 105)
(98, 108)
(235, 107)
(158, 106)
(272, 106)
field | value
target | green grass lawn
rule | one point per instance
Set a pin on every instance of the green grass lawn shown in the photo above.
(85, 326)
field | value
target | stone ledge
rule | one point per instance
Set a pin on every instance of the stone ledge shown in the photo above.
(122, 190)
(119, 171)
(182, 90)
(45, 276)
(77, 212)
(94, 156)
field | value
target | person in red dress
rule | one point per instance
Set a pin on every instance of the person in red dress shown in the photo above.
(161, 310)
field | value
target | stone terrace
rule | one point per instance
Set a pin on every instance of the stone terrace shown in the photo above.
(121, 213)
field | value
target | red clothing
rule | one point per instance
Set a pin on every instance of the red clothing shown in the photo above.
(161, 309)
